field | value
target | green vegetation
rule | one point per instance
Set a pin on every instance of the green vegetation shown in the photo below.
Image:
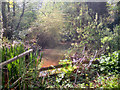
(20, 67)
(110, 63)
(89, 33)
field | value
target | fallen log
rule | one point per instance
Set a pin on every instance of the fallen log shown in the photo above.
(65, 65)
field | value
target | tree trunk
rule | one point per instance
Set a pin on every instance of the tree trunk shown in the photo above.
(4, 18)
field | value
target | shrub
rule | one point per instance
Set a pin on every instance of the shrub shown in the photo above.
(107, 81)
(110, 63)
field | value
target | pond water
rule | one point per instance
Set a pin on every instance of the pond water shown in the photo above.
(52, 57)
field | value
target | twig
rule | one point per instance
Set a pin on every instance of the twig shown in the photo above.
(18, 79)
(83, 52)
(76, 76)
(92, 60)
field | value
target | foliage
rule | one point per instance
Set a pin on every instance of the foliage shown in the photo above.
(115, 45)
(20, 66)
(72, 75)
(68, 69)
(110, 63)
(48, 24)
(108, 81)
(8, 53)
(45, 29)
(90, 30)
(80, 76)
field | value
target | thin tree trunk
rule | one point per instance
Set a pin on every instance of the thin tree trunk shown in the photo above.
(6, 20)
(18, 25)
(21, 16)
(13, 8)
(13, 19)
(4, 17)
(8, 15)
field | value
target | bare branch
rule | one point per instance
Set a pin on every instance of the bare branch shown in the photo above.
(92, 60)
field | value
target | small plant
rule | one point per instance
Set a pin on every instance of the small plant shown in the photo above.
(110, 63)
(107, 81)
(69, 68)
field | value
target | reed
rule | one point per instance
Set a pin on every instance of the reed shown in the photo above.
(16, 69)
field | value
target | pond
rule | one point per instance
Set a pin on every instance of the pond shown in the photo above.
(52, 57)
